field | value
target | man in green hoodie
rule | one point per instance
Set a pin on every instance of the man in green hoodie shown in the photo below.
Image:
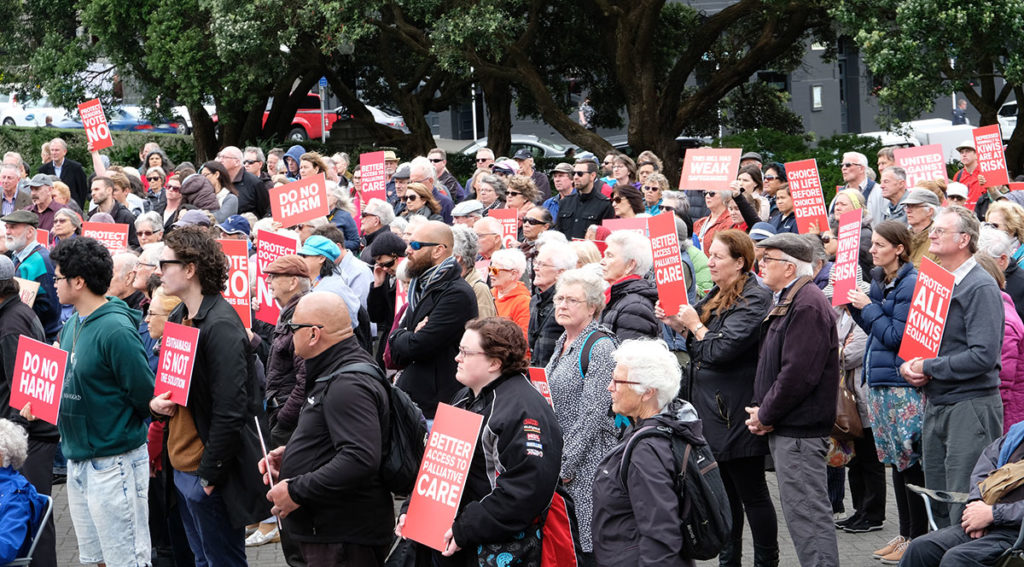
(105, 402)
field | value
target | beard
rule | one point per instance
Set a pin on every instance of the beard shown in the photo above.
(416, 267)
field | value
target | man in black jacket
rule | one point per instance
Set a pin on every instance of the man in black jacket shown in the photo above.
(103, 198)
(440, 304)
(68, 170)
(329, 494)
(586, 206)
(253, 196)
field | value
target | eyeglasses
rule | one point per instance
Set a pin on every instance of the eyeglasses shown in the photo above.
(652, 189)
(365, 214)
(617, 383)
(208, 173)
(58, 278)
(435, 160)
(386, 264)
(496, 270)
(154, 178)
(165, 263)
(416, 244)
(482, 160)
(145, 232)
(529, 220)
(956, 198)
(579, 173)
(848, 164)
(154, 314)
(294, 327)
(618, 166)
(513, 193)
(464, 353)
(939, 231)
(769, 259)
(146, 265)
(565, 300)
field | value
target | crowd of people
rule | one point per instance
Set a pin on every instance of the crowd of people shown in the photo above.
(422, 291)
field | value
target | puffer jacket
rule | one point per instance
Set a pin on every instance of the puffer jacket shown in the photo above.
(1011, 375)
(884, 320)
(198, 191)
(630, 309)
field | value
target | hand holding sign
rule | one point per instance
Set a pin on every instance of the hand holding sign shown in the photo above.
(38, 379)
(926, 320)
(177, 356)
(97, 132)
(668, 262)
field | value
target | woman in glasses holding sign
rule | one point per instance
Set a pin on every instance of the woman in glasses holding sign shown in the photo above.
(723, 343)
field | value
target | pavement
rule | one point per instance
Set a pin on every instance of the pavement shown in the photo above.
(854, 549)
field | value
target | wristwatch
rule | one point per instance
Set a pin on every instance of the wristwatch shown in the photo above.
(699, 327)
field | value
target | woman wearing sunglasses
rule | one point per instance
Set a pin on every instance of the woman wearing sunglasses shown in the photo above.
(627, 201)
(419, 201)
(718, 219)
(511, 297)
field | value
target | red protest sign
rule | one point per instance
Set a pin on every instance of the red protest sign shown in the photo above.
(539, 379)
(988, 143)
(177, 355)
(300, 201)
(43, 237)
(927, 317)
(112, 236)
(373, 177)
(923, 163)
(95, 123)
(509, 225)
(845, 268)
(710, 169)
(442, 477)
(38, 378)
(236, 292)
(805, 189)
(269, 247)
(635, 224)
(402, 290)
(668, 264)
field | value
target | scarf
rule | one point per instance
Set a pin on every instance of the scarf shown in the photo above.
(1013, 438)
(419, 286)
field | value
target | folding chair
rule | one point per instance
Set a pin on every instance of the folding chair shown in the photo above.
(27, 559)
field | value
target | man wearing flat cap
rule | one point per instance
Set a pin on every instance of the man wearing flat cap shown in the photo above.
(795, 391)
(43, 204)
(32, 262)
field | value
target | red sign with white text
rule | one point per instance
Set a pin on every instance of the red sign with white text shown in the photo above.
(927, 318)
(845, 268)
(442, 477)
(236, 292)
(373, 177)
(300, 200)
(509, 225)
(43, 236)
(269, 247)
(38, 378)
(177, 356)
(635, 224)
(112, 236)
(988, 143)
(668, 263)
(95, 123)
(923, 163)
(539, 379)
(808, 200)
(710, 169)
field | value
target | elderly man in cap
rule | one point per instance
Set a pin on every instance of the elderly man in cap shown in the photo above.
(921, 206)
(319, 254)
(795, 389)
(235, 227)
(468, 212)
(751, 158)
(43, 204)
(395, 189)
(525, 160)
(561, 176)
(32, 261)
(969, 175)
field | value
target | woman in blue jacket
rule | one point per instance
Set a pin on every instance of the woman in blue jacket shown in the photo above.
(895, 406)
(21, 508)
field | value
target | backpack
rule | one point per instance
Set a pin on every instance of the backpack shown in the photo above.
(405, 433)
(588, 345)
(704, 510)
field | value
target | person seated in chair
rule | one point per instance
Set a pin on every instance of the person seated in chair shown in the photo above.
(21, 507)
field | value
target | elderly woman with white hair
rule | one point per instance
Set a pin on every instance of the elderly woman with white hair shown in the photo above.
(21, 507)
(149, 227)
(637, 523)
(1001, 246)
(630, 310)
(578, 374)
(511, 298)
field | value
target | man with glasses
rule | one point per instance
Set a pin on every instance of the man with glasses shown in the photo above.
(43, 204)
(253, 163)
(795, 389)
(855, 176)
(440, 304)
(488, 232)
(964, 412)
(578, 211)
(439, 158)
(253, 196)
(484, 160)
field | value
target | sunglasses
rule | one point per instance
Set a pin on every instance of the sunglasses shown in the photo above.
(850, 164)
(617, 200)
(416, 244)
(435, 160)
(250, 161)
(387, 264)
(482, 160)
(770, 177)
(513, 193)
(528, 220)
(145, 233)
(652, 189)
(294, 327)
(710, 193)
(412, 197)
(152, 179)
(664, 208)
(579, 173)
(495, 271)
(365, 214)
(174, 187)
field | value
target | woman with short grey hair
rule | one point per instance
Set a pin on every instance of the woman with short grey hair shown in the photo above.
(149, 227)
(630, 310)
(20, 505)
(465, 248)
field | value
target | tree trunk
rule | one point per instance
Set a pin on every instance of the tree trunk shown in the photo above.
(204, 134)
(1015, 149)
(498, 98)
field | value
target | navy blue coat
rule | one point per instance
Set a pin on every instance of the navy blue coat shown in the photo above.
(884, 320)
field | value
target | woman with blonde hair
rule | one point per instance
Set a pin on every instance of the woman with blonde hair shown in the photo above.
(420, 201)
(1009, 218)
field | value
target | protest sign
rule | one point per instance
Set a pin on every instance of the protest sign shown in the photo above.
(845, 268)
(442, 477)
(988, 143)
(402, 290)
(38, 378)
(373, 177)
(269, 247)
(112, 236)
(509, 225)
(300, 201)
(808, 200)
(27, 290)
(668, 263)
(236, 291)
(635, 224)
(43, 237)
(539, 379)
(710, 169)
(95, 123)
(927, 317)
(923, 163)
(177, 356)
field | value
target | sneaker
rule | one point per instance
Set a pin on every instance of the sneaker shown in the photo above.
(889, 547)
(851, 519)
(897, 554)
(260, 537)
(862, 527)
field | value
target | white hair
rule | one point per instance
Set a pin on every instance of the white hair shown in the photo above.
(423, 165)
(802, 268)
(381, 210)
(996, 243)
(510, 259)
(592, 283)
(653, 365)
(124, 262)
(633, 247)
(550, 237)
(465, 245)
(399, 224)
(153, 219)
(151, 252)
(13, 444)
(490, 224)
(858, 158)
(560, 254)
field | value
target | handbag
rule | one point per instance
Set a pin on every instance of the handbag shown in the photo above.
(847, 425)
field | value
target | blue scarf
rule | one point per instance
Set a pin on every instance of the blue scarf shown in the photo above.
(1010, 442)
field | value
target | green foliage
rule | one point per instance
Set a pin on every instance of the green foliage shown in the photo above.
(125, 151)
(758, 105)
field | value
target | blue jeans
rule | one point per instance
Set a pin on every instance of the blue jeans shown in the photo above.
(213, 541)
(108, 499)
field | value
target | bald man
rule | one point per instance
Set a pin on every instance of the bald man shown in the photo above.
(440, 304)
(332, 502)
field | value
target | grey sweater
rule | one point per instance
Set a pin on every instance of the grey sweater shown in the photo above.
(969, 356)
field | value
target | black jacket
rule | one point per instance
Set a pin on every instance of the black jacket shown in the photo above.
(428, 355)
(578, 211)
(333, 457)
(73, 175)
(286, 373)
(223, 398)
(122, 215)
(380, 308)
(521, 440)
(253, 196)
(630, 310)
(544, 329)
(17, 320)
(722, 371)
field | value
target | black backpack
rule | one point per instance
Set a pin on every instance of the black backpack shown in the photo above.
(405, 434)
(704, 510)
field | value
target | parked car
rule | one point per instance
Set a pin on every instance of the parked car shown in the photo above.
(539, 147)
(380, 116)
(32, 113)
(127, 118)
(181, 115)
(1007, 118)
(306, 123)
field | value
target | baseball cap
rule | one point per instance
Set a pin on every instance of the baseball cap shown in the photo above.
(966, 145)
(956, 189)
(287, 265)
(317, 245)
(235, 224)
(506, 166)
(193, 217)
(921, 197)
(562, 168)
(760, 231)
(41, 180)
(22, 217)
(523, 153)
